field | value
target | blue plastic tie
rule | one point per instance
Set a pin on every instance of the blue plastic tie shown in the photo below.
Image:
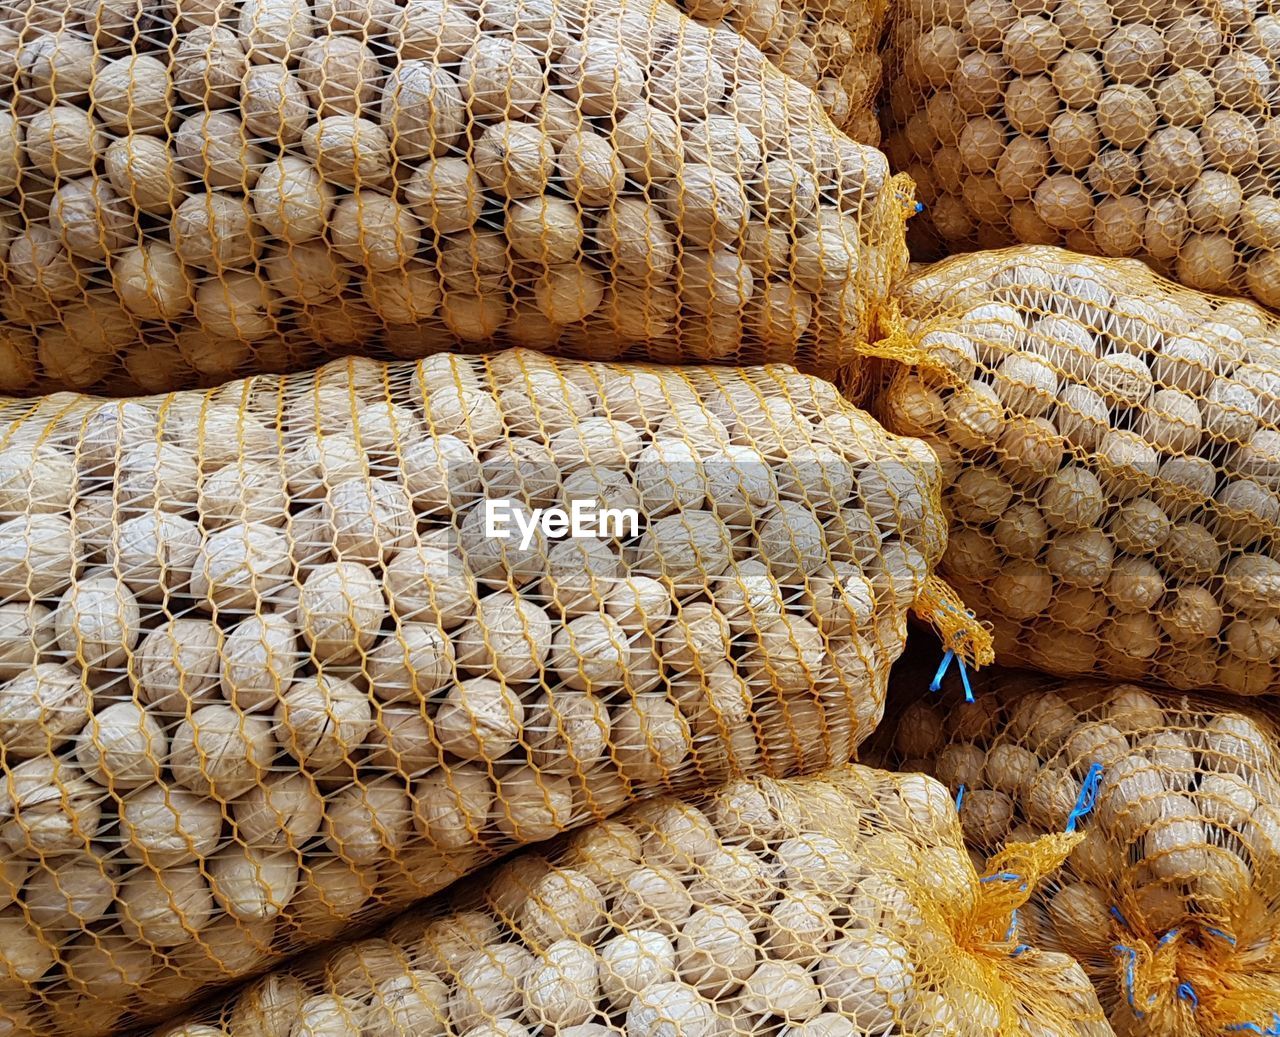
(1167, 937)
(1129, 969)
(1186, 992)
(1005, 876)
(1115, 913)
(1019, 949)
(1013, 925)
(1271, 1031)
(947, 657)
(1088, 796)
(935, 685)
(959, 798)
(919, 207)
(1220, 934)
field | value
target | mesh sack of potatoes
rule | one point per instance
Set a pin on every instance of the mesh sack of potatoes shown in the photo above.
(831, 46)
(1172, 901)
(837, 906)
(268, 662)
(193, 190)
(1111, 450)
(1114, 127)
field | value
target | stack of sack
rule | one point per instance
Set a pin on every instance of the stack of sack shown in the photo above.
(194, 191)
(1109, 436)
(281, 655)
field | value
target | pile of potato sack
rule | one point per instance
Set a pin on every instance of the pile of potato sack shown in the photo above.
(195, 190)
(296, 646)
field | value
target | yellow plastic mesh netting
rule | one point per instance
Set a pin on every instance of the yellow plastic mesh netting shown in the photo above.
(1172, 901)
(1111, 456)
(1117, 128)
(195, 190)
(832, 907)
(831, 46)
(268, 663)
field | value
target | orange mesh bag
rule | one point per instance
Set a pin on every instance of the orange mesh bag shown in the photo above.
(1111, 444)
(831, 46)
(199, 190)
(1120, 128)
(831, 907)
(298, 650)
(1170, 901)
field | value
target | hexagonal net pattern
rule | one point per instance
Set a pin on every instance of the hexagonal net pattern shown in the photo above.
(831, 46)
(1170, 901)
(200, 190)
(1142, 128)
(1111, 446)
(830, 907)
(268, 665)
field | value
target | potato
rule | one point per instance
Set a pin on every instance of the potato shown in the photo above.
(132, 93)
(320, 721)
(291, 201)
(273, 98)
